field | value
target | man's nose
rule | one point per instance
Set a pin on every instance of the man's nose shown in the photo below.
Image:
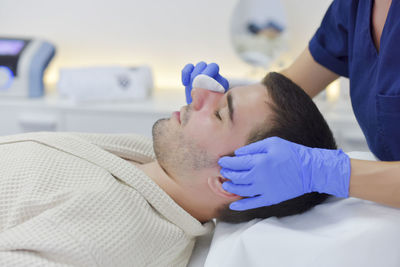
(203, 97)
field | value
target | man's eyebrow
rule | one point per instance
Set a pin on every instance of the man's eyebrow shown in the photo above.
(230, 106)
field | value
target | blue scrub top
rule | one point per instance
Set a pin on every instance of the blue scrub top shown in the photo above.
(344, 44)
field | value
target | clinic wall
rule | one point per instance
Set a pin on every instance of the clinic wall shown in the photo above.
(164, 34)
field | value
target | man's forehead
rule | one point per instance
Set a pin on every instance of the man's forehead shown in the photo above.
(249, 93)
(250, 87)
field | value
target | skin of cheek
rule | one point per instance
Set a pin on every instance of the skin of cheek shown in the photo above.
(208, 133)
(205, 132)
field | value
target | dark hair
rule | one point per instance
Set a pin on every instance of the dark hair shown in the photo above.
(297, 119)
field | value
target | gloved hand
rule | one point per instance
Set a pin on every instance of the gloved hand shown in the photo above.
(274, 170)
(189, 73)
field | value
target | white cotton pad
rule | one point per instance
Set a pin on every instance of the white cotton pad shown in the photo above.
(206, 82)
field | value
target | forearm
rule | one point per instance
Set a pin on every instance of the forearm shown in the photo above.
(308, 74)
(376, 181)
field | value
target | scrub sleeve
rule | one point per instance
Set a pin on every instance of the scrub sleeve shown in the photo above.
(344, 44)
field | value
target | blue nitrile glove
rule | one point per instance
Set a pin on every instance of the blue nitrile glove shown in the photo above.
(190, 72)
(274, 170)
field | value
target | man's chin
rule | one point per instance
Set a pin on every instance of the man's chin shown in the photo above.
(157, 129)
(162, 143)
(160, 133)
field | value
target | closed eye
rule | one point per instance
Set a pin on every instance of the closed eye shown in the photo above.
(218, 115)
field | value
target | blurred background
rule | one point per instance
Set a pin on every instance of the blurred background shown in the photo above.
(117, 64)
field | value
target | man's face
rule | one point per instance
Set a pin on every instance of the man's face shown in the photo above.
(213, 125)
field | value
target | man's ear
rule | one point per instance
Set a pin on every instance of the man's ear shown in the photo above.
(215, 184)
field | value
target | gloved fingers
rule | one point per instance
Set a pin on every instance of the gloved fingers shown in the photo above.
(248, 203)
(240, 190)
(186, 71)
(211, 70)
(224, 82)
(237, 177)
(188, 92)
(241, 163)
(198, 69)
(261, 146)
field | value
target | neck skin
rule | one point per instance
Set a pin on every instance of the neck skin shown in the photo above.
(186, 197)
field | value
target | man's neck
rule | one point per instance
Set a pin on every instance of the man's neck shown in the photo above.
(177, 192)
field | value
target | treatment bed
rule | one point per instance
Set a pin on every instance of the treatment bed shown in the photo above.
(338, 232)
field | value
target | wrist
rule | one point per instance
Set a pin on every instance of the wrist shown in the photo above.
(331, 172)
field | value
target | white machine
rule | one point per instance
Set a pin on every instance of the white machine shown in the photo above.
(22, 64)
(105, 83)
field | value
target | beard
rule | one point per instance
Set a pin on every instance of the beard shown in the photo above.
(158, 129)
(177, 154)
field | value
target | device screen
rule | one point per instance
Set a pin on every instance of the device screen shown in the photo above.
(11, 47)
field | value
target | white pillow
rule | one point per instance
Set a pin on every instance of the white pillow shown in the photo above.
(339, 232)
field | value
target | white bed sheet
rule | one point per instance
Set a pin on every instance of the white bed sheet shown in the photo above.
(339, 232)
(348, 232)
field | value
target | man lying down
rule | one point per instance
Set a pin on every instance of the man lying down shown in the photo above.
(109, 200)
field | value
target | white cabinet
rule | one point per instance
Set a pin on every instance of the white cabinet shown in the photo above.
(111, 122)
(54, 114)
(17, 119)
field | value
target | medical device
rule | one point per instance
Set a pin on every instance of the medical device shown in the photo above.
(22, 65)
(104, 83)
(206, 82)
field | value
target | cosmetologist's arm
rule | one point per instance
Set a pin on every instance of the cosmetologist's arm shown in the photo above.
(311, 76)
(376, 181)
